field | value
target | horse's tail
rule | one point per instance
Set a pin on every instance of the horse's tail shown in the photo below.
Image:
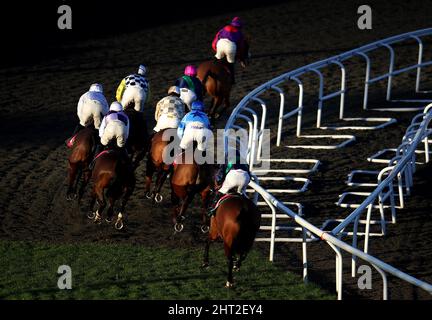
(205, 78)
(249, 220)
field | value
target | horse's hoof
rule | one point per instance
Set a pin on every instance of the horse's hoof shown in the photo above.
(119, 224)
(91, 215)
(149, 195)
(158, 198)
(205, 265)
(178, 227)
(229, 284)
(205, 229)
(71, 196)
(97, 218)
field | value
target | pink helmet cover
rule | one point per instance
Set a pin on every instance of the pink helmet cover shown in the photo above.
(190, 71)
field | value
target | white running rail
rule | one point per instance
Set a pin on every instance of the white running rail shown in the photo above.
(404, 164)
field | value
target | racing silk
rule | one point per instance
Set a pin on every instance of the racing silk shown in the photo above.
(224, 169)
(193, 118)
(231, 33)
(133, 80)
(93, 95)
(114, 116)
(192, 83)
(171, 106)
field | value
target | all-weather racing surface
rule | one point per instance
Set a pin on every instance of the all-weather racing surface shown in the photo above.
(38, 108)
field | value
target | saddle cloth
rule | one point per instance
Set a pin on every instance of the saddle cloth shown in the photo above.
(226, 197)
(71, 141)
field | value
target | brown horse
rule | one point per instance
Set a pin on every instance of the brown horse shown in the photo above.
(236, 221)
(78, 162)
(188, 179)
(113, 178)
(155, 163)
(137, 142)
(217, 81)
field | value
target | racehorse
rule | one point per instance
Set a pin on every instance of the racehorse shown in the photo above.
(155, 163)
(113, 178)
(137, 142)
(217, 81)
(188, 179)
(78, 163)
(236, 221)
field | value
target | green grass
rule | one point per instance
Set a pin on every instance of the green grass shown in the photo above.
(101, 271)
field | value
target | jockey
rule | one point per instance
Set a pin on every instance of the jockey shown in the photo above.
(134, 89)
(195, 126)
(226, 42)
(92, 106)
(234, 175)
(191, 87)
(169, 110)
(115, 126)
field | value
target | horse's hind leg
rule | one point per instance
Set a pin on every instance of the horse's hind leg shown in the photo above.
(84, 182)
(204, 200)
(72, 175)
(150, 169)
(162, 175)
(238, 261)
(110, 210)
(101, 205)
(127, 194)
(228, 254)
(184, 206)
(212, 236)
(217, 103)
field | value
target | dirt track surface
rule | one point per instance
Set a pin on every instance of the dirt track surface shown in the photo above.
(39, 112)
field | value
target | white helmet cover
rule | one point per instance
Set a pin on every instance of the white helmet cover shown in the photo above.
(116, 106)
(96, 87)
(174, 89)
(142, 70)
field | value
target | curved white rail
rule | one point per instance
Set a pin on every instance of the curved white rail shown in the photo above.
(399, 171)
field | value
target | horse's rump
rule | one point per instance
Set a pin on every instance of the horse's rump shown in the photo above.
(238, 218)
(158, 150)
(83, 146)
(215, 69)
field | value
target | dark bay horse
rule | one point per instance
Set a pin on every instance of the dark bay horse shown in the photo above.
(217, 81)
(236, 221)
(156, 163)
(78, 163)
(113, 178)
(137, 142)
(187, 180)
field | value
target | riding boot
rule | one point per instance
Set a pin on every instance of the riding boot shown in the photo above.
(213, 202)
(231, 69)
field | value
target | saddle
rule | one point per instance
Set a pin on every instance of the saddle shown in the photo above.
(225, 197)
